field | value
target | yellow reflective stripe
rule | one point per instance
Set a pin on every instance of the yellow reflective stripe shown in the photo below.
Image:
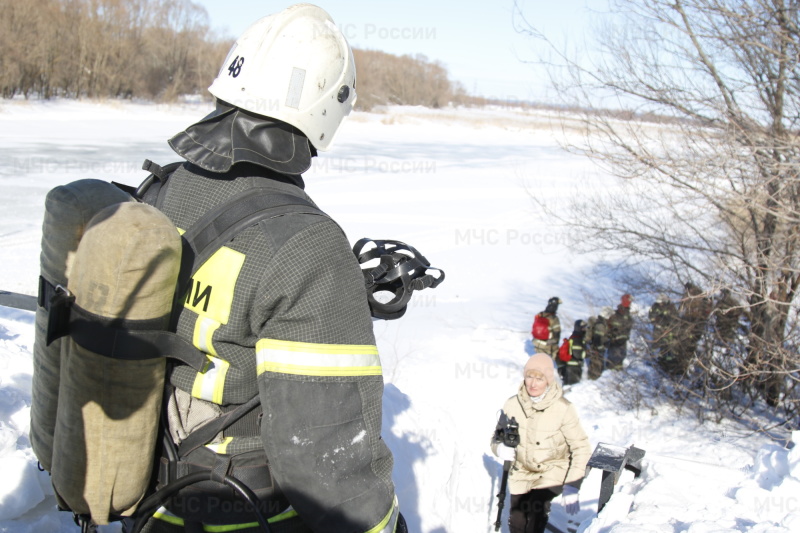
(234, 527)
(210, 385)
(204, 329)
(310, 359)
(381, 527)
(166, 516)
(277, 518)
(291, 513)
(220, 447)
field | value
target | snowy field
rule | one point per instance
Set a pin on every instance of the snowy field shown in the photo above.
(456, 184)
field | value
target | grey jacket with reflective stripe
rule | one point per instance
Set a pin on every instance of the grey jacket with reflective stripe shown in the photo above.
(282, 311)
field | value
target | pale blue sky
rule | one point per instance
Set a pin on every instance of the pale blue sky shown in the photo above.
(474, 39)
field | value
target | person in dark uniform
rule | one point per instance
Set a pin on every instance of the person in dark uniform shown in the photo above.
(286, 317)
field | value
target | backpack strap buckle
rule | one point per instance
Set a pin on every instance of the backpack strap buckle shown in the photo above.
(58, 313)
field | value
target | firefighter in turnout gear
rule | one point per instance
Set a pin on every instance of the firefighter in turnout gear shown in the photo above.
(620, 324)
(663, 317)
(727, 312)
(597, 342)
(281, 310)
(546, 329)
(571, 355)
(694, 312)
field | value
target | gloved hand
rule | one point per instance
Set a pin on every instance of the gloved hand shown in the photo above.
(569, 498)
(506, 453)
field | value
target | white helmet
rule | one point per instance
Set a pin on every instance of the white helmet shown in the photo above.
(294, 66)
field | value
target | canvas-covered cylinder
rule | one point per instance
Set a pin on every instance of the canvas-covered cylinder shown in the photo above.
(124, 275)
(68, 209)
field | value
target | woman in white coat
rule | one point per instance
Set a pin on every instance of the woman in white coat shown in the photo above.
(553, 448)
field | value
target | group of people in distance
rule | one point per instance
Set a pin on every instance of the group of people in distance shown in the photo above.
(602, 339)
(677, 329)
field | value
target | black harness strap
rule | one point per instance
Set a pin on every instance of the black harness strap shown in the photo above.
(132, 339)
(46, 292)
(221, 224)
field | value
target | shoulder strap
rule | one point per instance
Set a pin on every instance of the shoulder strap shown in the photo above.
(239, 212)
(221, 224)
(151, 190)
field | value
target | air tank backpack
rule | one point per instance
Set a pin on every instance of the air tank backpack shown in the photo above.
(113, 270)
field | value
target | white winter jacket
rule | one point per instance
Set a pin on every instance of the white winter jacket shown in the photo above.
(553, 448)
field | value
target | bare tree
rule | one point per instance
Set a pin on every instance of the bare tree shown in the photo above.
(707, 151)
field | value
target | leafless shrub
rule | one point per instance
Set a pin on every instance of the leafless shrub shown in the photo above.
(711, 193)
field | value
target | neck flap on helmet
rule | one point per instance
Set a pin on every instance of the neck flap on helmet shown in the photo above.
(230, 135)
(393, 270)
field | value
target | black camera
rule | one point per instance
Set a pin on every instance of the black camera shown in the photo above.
(507, 431)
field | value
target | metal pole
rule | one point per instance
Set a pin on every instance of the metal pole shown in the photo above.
(501, 496)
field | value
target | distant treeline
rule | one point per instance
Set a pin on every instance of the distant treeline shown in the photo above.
(106, 48)
(403, 80)
(160, 50)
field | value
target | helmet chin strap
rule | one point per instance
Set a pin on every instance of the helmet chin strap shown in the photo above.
(400, 270)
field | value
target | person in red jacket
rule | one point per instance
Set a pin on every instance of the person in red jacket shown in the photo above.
(572, 354)
(546, 329)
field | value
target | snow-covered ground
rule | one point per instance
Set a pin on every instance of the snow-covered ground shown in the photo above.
(456, 184)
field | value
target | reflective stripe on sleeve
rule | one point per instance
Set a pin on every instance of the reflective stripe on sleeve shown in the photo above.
(204, 329)
(310, 359)
(210, 385)
(389, 522)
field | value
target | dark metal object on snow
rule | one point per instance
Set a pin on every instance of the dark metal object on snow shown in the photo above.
(553, 529)
(18, 301)
(612, 460)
